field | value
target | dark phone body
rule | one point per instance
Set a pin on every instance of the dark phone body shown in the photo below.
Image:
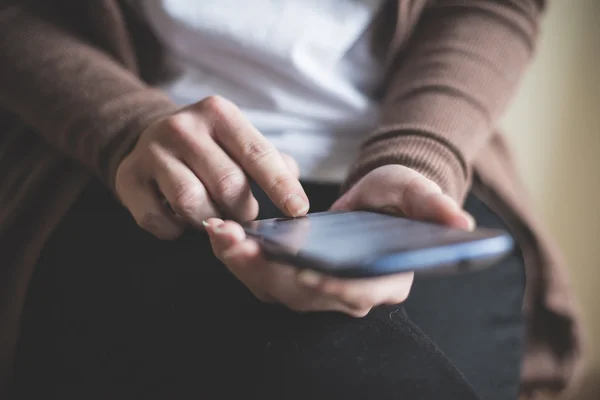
(367, 244)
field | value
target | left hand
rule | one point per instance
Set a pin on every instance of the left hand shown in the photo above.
(392, 189)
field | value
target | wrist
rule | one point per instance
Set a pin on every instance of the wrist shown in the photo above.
(153, 107)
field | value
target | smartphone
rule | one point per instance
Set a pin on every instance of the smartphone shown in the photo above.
(367, 244)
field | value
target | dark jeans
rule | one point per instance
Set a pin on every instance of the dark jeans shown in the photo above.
(114, 313)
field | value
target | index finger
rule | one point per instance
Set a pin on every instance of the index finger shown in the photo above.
(259, 159)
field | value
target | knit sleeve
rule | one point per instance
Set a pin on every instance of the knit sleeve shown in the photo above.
(77, 97)
(449, 86)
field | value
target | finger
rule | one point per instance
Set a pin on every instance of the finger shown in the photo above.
(396, 196)
(185, 194)
(405, 193)
(242, 257)
(362, 294)
(329, 288)
(438, 208)
(223, 178)
(225, 181)
(302, 299)
(472, 223)
(276, 282)
(149, 212)
(258, 157)
(245, 261)
(269, 281)
(310, 296)
(224, 235)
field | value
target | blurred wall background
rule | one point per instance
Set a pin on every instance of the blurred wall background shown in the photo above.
(554, 125)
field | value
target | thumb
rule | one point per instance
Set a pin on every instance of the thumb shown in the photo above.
(398, 190)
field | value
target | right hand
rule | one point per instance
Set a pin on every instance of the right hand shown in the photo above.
(199, 160)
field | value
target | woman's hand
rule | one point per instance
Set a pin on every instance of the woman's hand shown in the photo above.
(198, 160)
(391, 189)
(401, 191)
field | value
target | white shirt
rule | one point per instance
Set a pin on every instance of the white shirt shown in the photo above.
(300, 70)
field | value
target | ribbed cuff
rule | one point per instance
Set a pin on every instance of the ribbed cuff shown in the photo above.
(427, 155)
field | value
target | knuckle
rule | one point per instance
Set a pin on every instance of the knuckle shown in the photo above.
(407, 194)
(230, 185)
(413, 185)
(255, 151)
(188, 198)
(415, 192)
(419, 184)
(180, 125)
(216, 106)
(282, 184)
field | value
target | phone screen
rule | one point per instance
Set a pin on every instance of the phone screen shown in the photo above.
(352, 239)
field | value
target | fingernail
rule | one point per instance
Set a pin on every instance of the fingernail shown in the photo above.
(309, 278)
(215, 227)
(471, 224)
(296, 205)
(218, 230)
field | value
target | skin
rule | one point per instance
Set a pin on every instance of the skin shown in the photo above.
(199, 160)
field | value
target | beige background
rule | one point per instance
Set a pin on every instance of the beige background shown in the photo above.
(554, 125)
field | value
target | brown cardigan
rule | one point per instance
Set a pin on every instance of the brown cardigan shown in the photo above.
(75, 94)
